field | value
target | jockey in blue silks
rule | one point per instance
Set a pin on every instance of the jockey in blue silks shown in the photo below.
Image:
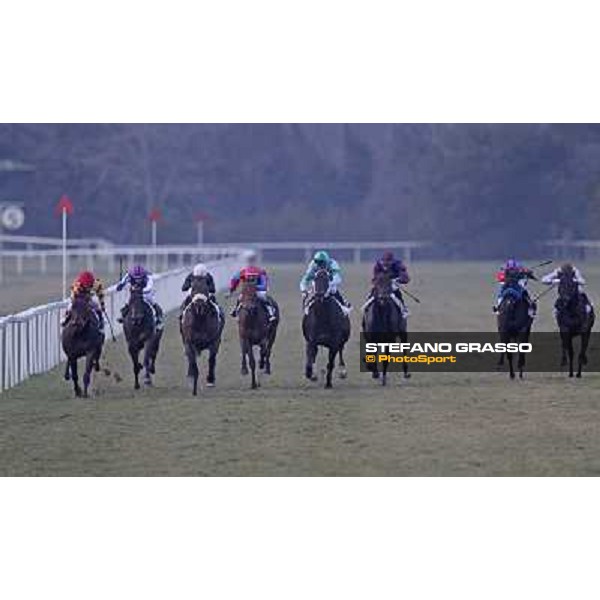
(512, 279)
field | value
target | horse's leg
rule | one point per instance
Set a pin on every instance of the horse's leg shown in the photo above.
(311, 355)
(330, 365)
(404, 339)
(134, 353)
(270, 343)
(75, 377)
(585, 340)
(212, 363)
(511, 369)
(148, 363)
(264, 356)
(521, 364)
(193, 371)
(243, 345)
(384, 371)
(154, 347)
(570, 353)
(68, 370)
(343, 372)
(252, 363)
(563, 346)
(90, 359)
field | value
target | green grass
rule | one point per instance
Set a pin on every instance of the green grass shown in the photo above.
(444, 424)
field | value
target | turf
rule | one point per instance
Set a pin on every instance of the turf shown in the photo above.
(444, 424)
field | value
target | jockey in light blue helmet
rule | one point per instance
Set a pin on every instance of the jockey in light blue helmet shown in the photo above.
(322, 260)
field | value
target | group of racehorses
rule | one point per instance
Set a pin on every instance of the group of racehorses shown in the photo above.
(324, 324)
(574, 316)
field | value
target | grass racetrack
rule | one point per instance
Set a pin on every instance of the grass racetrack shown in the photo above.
(444, 424)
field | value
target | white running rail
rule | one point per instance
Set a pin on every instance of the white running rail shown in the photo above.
(30, 341)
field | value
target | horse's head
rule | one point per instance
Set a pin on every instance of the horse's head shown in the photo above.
(137, 305)
(382, 287)
(321, 284)
(200, 285)
(81, 312)
(568, 289)
(249, 297)
(199, 303)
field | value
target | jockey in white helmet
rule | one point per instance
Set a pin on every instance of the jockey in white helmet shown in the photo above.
(200, 271)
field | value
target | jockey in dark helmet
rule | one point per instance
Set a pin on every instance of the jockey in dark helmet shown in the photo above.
(553, 278)
(398, 274)
(512, 279)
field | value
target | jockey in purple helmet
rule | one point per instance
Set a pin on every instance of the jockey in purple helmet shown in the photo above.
(512, 279)
(398, 274)
(138, 277)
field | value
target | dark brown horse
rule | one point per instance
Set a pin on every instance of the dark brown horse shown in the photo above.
(202, 325)
(255, 329)
(141, 333)
(514, 325)
(575, 318)
(383, 321)
(82, 336)
(324, 324)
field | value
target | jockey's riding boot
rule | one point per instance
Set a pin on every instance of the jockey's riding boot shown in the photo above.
(158, 311)
(532, 309)
(234, 311)
(183, 306)
(270, 310)
(124, 311)
(345, 304)
(66, 319)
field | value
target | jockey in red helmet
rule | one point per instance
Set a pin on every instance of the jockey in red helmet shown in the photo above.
(88, 286)
(257, 276)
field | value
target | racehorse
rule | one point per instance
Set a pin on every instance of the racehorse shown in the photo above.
(383, 322)
(140, 330)
(575, 317)
(324, 324)
(514, 325)
(201, 329)
(255, 329)
(82, 336)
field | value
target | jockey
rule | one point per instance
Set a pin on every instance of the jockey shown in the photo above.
(257, 276)
(320, 260)
(200, 271)
(398, 273)
(138, 277)
(512, 278)
(553, 278)
(86, 284)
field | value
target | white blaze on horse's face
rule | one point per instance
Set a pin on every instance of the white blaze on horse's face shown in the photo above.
(199, 298)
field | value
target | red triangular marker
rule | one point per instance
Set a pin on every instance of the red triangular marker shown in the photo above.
(155, 215)
(64, 205)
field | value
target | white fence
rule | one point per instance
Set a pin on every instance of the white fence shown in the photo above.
(165, 256)
(30, 340)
